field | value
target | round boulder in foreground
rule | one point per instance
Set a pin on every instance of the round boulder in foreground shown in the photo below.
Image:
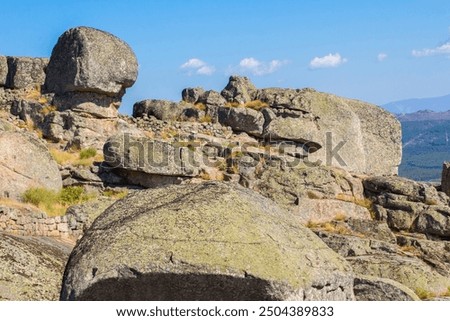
(210, 241)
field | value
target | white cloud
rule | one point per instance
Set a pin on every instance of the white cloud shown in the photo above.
(382, 56)
(206, 70)
(198, 66)
(440, 50)
(260, 68)
(328, 61)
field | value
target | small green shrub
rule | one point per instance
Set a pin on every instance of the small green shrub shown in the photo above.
(88, 153)
(72, 194)
(39, 195)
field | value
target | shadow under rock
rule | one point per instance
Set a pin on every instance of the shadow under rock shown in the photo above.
(178, 287)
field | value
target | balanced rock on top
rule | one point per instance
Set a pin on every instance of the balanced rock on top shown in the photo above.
(90, 60)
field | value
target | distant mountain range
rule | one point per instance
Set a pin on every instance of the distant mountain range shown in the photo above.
(423, 115)
(425, 133)
(438, 104)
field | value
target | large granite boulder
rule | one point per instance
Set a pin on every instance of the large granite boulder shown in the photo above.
(161, 109)
(356, 136)
(242, 119)
(210, 241)
(25, 162)
(191, 95)
(25, 72)
(90, 60)
(146, 156)
(31, 268)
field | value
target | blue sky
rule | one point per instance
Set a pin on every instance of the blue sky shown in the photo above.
(377, 51)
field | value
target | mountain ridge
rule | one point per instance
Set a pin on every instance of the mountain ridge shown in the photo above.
(411, 105)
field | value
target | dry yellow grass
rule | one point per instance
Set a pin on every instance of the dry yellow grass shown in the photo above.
(256, 104)
(233, 104)
(205, 119)
(48, 109)
(200, 106)
(34, 94)
(73, 158)
(340, 217)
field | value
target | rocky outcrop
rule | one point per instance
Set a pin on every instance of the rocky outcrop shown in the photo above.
(22, 72)
(410, 206)
(25, 72)
(31, 268)
(192, 95)
(161, 109)
(25, 162)
(378, 258)
(239, 90)
(202, 242)
(88, 72)
(333, 131)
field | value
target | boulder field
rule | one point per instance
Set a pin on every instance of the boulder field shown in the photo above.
(243, 194)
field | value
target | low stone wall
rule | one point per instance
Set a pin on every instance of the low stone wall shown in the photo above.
(28, 221)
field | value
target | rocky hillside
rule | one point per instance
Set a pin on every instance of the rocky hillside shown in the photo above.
(246, 194)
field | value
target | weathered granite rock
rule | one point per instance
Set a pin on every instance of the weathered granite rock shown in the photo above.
(325, 210)
(28, 111)
(90, 60)
(410, 206)
(212, 98)
(77, 130)
(434, 221)
(445, 179)
(381, 135)
(435, 253)
(381, 259)
(286, 186)
(239, 89)
(379, 289)
(242, 119)
(3, 70)
(161, 109)
(356, 136)
(210, 241)
(88, 105)
(25, 162)
(191, 95)
(149, 156)
(25, 72)
(31, 268)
